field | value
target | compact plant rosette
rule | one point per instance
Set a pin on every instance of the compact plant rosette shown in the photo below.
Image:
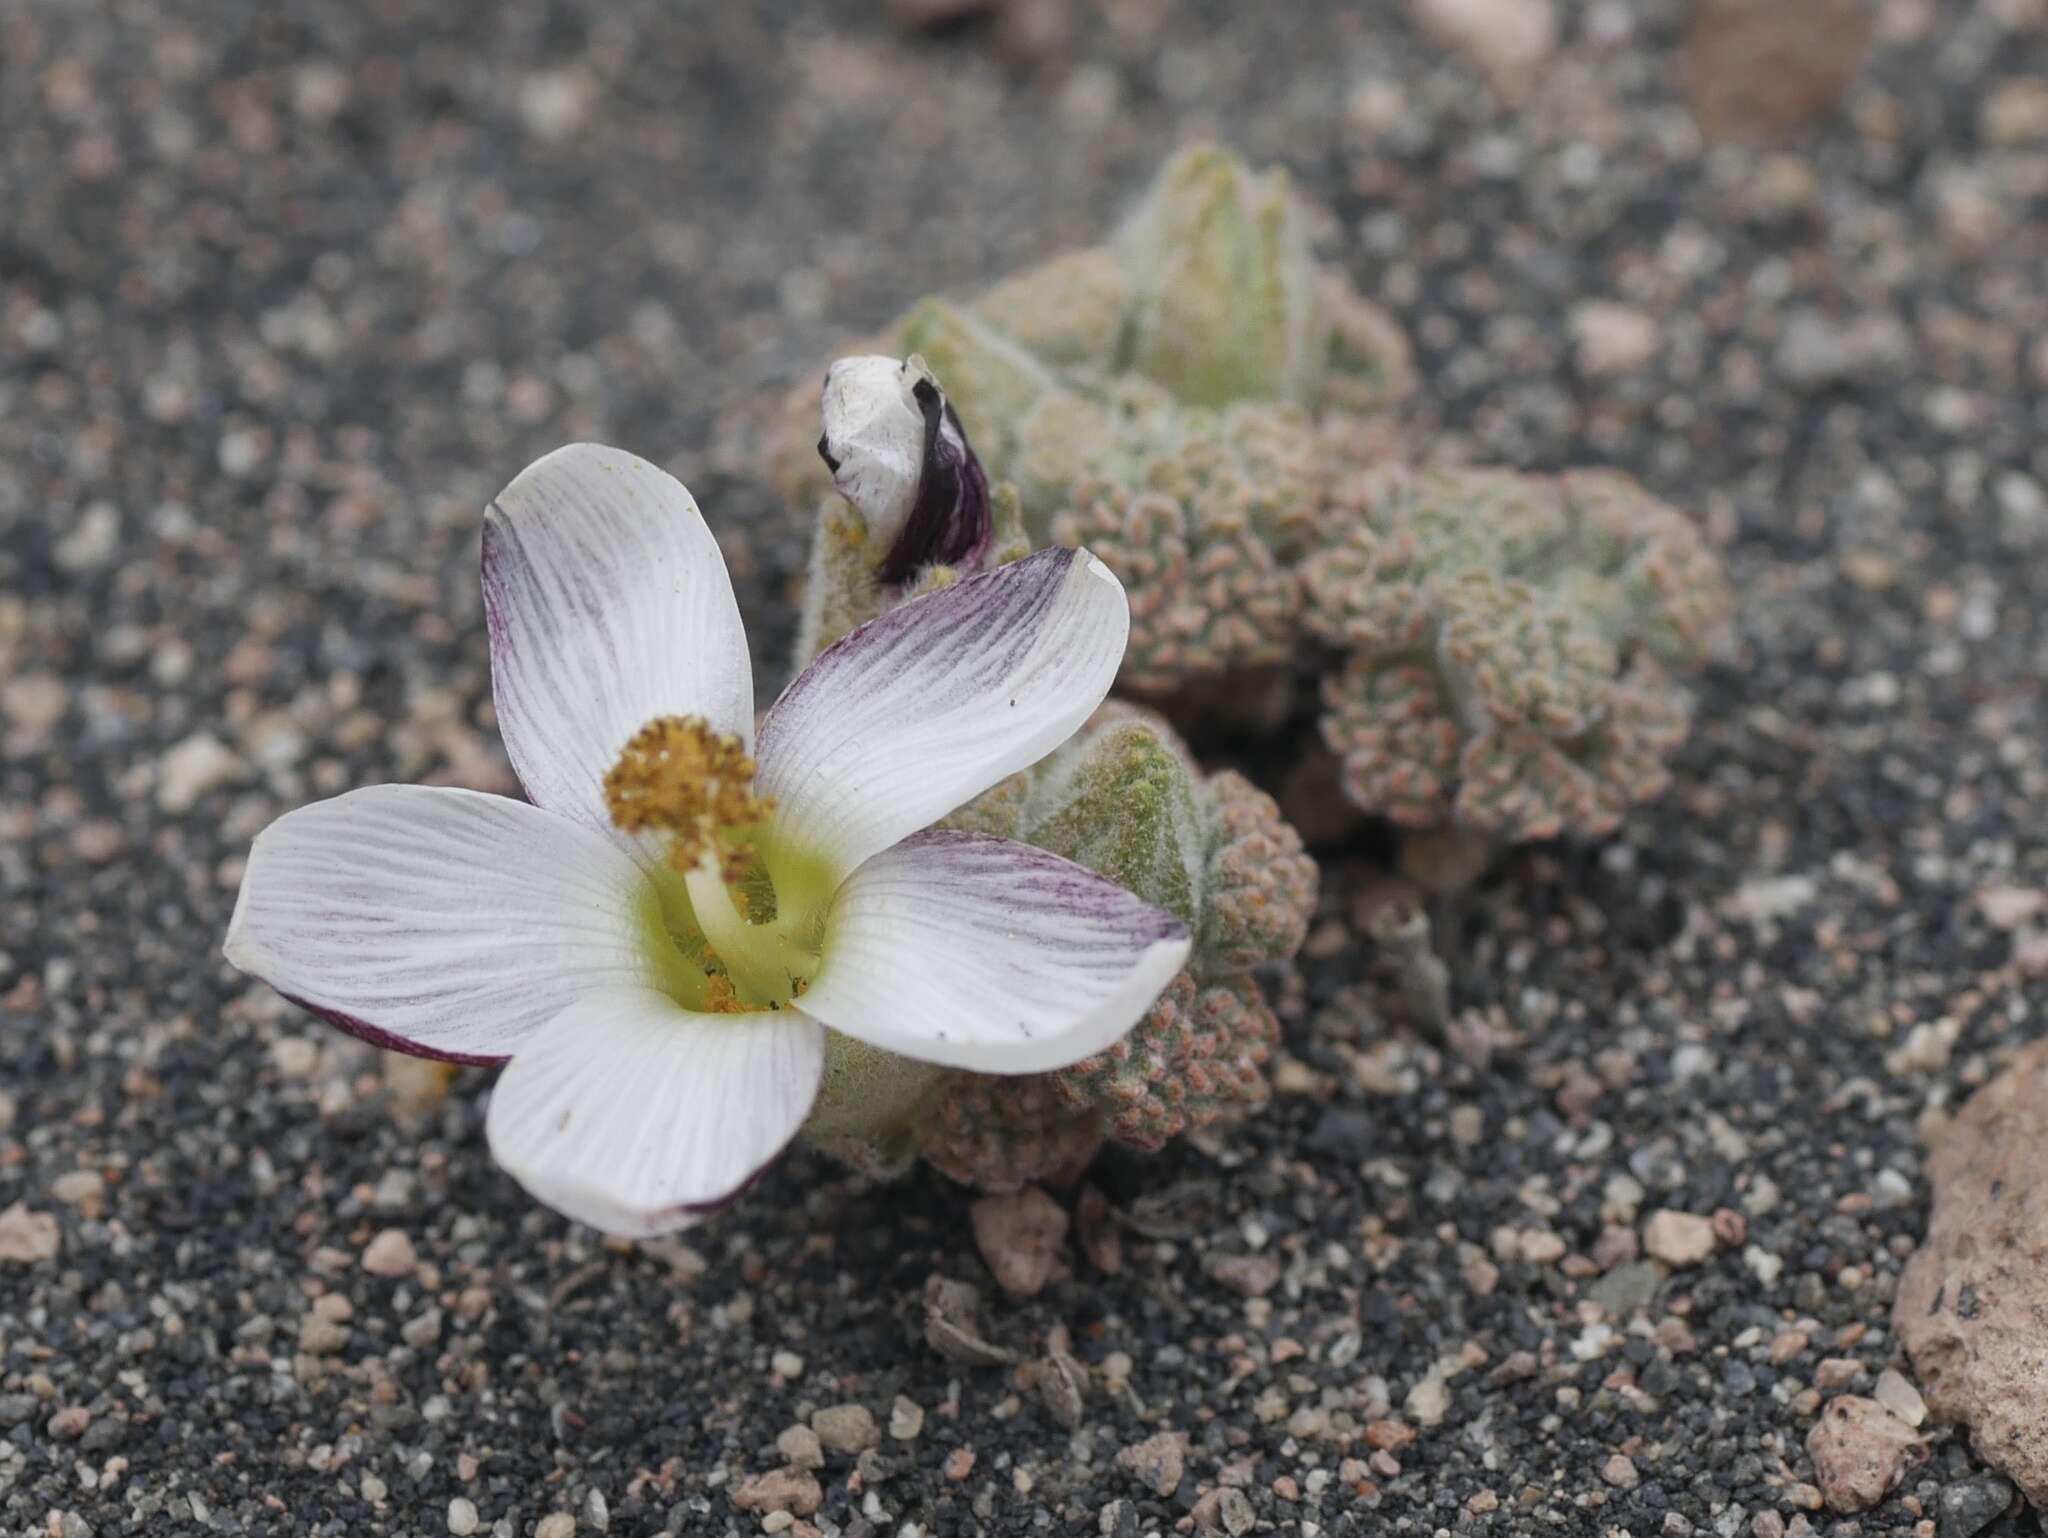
(702, 938)
(1496, 657)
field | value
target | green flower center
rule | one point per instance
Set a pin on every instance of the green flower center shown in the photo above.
(735, 920)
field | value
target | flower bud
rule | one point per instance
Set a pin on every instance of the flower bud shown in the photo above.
(898, 453)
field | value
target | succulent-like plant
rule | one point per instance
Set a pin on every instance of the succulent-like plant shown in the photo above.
(1125, 799)
(1507, 647)
(1211, 413)
(1178, 399)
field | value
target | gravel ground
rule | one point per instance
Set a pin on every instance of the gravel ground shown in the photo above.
(288, 289)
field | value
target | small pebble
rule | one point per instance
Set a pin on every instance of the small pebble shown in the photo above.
(1678, 1238)
(845, 1428)
(1860, 1452)
(1429, 1401)
(906, 1419)
(462, 1517)
(1900, 1397)
(800, 1445)
(780, 1490)
(199, 764)
(1020, 1236)
(1611, 338)
(1250, 1276)
(79, 1188)
(28, 1238)
(295, 1057)
(1157, 1462)
(1836, 1373)
(1509, 40)
(1620, 1472)
(1966, 1508)
(390, 1254)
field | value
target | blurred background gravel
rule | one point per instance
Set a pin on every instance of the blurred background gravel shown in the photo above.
(287, 290)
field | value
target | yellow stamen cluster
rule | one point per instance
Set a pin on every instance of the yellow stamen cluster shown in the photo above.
(679, 776)
(721, 998)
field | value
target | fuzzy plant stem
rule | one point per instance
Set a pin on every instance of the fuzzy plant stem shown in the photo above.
(1405, 937)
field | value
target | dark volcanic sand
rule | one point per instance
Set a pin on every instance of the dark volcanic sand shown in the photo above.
(288, 289)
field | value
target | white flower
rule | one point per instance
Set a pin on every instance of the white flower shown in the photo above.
(661, 942)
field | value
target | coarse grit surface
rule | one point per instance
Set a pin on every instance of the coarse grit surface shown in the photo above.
(288, 289)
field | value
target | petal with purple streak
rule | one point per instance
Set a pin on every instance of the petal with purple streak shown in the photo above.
(637, 1117)
(983, 953)
(440, 922)
(609, 605)
(916, 712)
(951, 519)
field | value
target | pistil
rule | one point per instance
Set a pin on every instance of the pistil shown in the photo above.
(748, 951)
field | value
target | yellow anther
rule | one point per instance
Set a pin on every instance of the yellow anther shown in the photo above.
(721, 998)
(679, 776)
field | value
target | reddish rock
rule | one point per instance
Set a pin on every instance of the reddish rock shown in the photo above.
(1755, 69)
(1970, 1307)
(28, 1238)
(1860, 1450)
(1251, 1276)
(1678, 1238)
(1157, 1463)
(1836, 1373)
(789, 1490)
(1020, 1236)
(390, 1254)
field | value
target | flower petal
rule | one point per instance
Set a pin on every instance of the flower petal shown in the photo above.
(984, 953)
(898, 723)
(608, 605)
(874, 439)
(441, 922)
(635, 1116)
(898, 453)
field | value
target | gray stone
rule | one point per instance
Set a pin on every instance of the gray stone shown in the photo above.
(1626, 1288)
(1966, 1508)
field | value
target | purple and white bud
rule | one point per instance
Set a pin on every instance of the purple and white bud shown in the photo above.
(898, 453)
